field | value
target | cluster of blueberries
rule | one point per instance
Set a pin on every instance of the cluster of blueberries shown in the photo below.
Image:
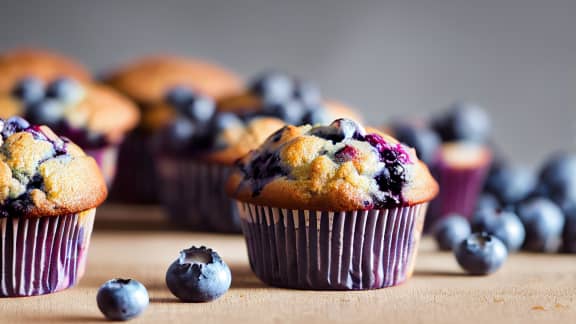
(198, 123)
(518, 209)
(45, 104)
(198, 275)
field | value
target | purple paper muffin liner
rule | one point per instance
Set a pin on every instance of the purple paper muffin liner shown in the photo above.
(43, 255)
(193, 194)
(135, 181)
(106, 158)
(459, 191)
(321, 250)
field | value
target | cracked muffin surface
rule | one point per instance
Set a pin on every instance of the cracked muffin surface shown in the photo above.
(42, 174)
(340, 167)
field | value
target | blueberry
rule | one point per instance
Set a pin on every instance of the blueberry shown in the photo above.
(14, 125)
(558, 179)
(65, 90)
(179, 96)
(543, 221)
(47, 112)
(307, 93)
(464, 121)
(122, 299)
(487, 201)
(569, 233)
(317, 116)
(29, 90)
(290, 111)
(423, 139)
(273, 87)
(511, 184)
(508, 228)
(198, 275)
(481, 254)
(200, 109)
(451, 230)
(222, 121)
(179, 134)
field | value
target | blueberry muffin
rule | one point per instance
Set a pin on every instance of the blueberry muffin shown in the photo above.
(93, 116)
(332, 207)
(42, 64)
(295, 101)
(194, 155)
(146, 81)
(49, 189)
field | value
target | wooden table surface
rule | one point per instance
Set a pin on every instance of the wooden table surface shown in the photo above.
(134, 242)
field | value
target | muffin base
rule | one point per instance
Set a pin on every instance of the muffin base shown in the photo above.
(318, 250)
(135, 181)
(459, 191)
(194, 197)
(43, 255)
(106, 158)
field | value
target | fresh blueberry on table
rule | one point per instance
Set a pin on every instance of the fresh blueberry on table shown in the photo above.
(273, 87)
(544, 222)
(199, 109)
(29, 90)
(487, 201)
(506, 226)
(46, 112)
(511, 184)
(65, 90)
(14, 125)
(122, 299)
(179, 96)
(463, 121)
(450, 231)
(558, 172)
(481, 253)
(423, 139)
(198, 275)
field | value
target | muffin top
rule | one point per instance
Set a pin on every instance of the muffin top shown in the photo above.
(91, 115)
(196, 130)
(464, 155)
(42, 174)
(148, 79)
(295, 101)
(42, 64)
(339, 167)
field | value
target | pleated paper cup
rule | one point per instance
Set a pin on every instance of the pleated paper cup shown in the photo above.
(321, 250)
(43, 255)
(135, 181)
(106, 158)
(193, 194)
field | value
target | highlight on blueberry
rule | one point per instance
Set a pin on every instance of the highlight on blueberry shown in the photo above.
(464, 121)
(29, 90)
(544, 222)
(450, 231)
(506, 226)
(122, 299)
(481, 254)
(198, 275)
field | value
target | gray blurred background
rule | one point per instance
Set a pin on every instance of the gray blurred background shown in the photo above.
(517, 57)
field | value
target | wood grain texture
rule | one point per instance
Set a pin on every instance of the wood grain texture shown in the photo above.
(530, 288)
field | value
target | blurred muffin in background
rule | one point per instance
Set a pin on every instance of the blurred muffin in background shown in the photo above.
(42, 64)
(146, 81)
(194, 154)
(295, 101)
(455, 145)
(93, 116)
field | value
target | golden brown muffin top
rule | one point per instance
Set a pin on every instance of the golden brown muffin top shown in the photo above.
(339, 167)
(464, 155)
(42, 174)
(96, 112)
(42, 64)
(148, 79)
